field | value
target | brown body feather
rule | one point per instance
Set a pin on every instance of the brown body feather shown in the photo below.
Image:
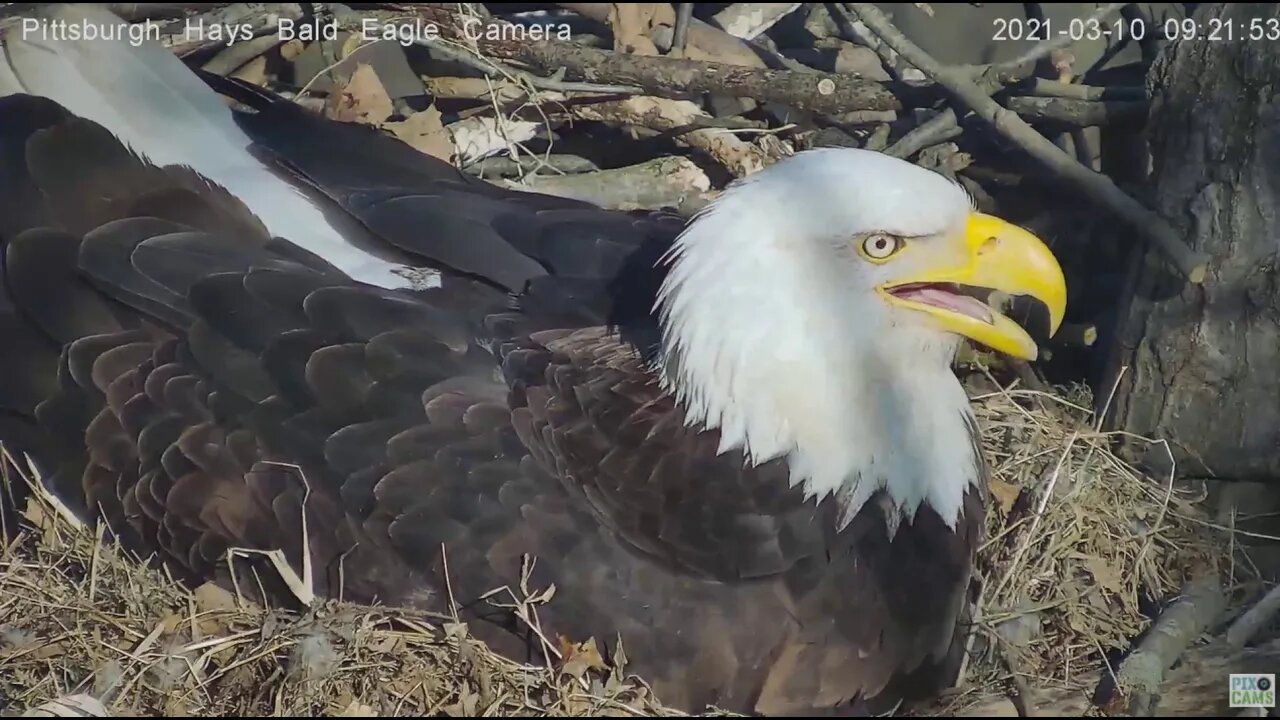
(191, 381)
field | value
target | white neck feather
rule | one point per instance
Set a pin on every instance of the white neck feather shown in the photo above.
(767, 340)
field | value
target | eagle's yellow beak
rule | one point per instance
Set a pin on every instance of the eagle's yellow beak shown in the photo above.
(1001, 259)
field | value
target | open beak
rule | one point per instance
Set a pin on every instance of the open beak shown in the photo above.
(1002, 261)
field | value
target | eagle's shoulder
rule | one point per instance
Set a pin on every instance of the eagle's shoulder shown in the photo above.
(592, 413)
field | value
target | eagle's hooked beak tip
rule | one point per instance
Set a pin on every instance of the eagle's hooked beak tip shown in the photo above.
(1004, 262)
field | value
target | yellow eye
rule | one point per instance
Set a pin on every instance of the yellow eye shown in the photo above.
(879, 246)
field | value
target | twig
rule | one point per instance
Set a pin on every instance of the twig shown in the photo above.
(1248, 624)
(1029, 535)
(1141, 674)
(1080, 113)
(1059, 41)
(1094, 185)
(680, 40)
(946, 124)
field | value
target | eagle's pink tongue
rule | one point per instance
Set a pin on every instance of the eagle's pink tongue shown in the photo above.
(962, 304)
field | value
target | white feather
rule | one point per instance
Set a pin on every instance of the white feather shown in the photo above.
(773, 334)
(148, 98)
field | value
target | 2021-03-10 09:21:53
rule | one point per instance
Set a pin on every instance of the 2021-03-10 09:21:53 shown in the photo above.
(1212, 29)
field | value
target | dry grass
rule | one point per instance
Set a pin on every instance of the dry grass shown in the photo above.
(1075, 539)
(79, 618)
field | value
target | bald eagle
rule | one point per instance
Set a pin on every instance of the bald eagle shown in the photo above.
(735, 442)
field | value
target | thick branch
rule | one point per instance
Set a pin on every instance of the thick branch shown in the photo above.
(507, 167)
(939, 128)
(1143, 672)
(666, 182)
(1056, 88)
(1248, 625)
(1078, 113)
(1094, 185)
(670, 77)
(678, 116)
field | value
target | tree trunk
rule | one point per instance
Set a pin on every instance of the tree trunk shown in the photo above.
(1199, 366)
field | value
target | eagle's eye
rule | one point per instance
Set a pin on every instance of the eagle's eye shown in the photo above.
(878, 247)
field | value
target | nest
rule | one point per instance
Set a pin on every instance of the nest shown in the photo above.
(1076, 541)
(87, 630)
(1081, 547)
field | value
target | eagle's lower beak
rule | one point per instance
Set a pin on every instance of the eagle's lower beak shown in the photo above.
(1002, 260)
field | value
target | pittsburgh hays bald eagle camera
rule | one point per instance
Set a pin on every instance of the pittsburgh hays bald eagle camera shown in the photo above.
(734, 441)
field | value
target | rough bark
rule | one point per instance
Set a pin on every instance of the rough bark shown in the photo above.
(1079, 113)
(663, 76)
(676, 78)
(1199, 365)
(1196, 687)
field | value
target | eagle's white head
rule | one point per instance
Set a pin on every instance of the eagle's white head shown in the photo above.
(814, 310)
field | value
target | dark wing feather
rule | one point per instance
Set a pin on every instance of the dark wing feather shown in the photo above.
(189, 380)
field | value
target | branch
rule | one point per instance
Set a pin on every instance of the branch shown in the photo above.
(1142, 673)
(1055, 88)
(946, 124)
(1193, 689)
(1094, 185)
(505, 167)
(1078, 113)
(680, 40)
(939, 128)
(678, 116)
(677, 78)
(1248, 625)
(1048, 45)
(670, 77)
(666, 182)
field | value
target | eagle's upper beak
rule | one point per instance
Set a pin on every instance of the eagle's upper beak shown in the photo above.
(1001, 260)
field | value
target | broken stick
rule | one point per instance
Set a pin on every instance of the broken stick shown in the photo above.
(1098, 187)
